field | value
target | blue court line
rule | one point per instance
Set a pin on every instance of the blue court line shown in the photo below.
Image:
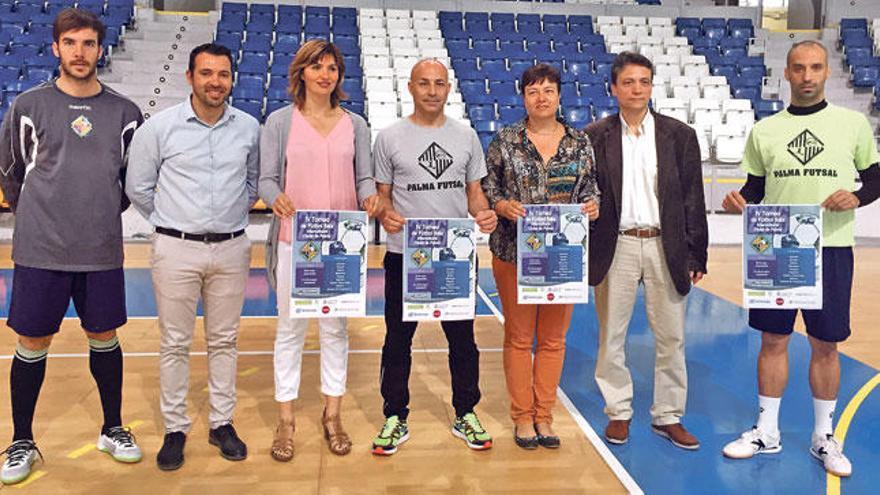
(259, 298)
(721, 354)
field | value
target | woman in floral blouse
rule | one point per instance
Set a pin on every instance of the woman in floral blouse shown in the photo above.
(539, 160)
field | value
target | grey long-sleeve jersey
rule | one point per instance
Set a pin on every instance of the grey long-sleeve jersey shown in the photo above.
(62, 170)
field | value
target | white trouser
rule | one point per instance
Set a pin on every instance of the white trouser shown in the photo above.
(290, 337)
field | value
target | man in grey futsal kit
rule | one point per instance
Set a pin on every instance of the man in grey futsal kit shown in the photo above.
(63, 149)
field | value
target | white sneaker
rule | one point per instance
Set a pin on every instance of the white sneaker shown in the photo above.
(119, 443)
(20, 456)
(752, 442)
(828, 450)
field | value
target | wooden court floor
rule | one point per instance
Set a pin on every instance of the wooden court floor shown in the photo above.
(432, 461)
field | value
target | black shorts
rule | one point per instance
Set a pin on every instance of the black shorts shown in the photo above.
(829, 324)
(40, 299)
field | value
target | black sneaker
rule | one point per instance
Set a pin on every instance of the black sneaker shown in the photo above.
(231, 447)
(170, 456)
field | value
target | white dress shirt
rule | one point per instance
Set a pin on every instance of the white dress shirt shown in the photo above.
(639, 206)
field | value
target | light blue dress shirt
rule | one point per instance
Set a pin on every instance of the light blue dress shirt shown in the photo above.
(197, 178)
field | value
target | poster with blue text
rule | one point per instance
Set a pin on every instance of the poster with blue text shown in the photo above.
(329, 267)
(439, 269)
(551, 255)
(782, 257)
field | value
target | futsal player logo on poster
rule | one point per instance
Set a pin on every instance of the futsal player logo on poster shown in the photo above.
(329, 267)
(782, 257)
(551, 257)
(439, 269)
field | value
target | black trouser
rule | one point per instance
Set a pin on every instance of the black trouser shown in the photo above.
(464, 358)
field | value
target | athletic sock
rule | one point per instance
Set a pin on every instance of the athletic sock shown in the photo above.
(25, 380)
(105, 363)
(823, 415)
(768, 415)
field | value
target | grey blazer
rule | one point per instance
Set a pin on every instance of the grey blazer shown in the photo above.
(273, 170)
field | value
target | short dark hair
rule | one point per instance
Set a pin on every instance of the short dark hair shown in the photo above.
(540, 73)
(813, 43)
(71, 19)
(211, 49)
(629, 58)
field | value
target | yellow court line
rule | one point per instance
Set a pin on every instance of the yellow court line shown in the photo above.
(39, 473)
(833, 484)
(85, 449)
(730, 181)
(249, 371)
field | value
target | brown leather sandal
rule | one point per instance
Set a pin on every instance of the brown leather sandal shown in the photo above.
(337, 439)
(282, 445)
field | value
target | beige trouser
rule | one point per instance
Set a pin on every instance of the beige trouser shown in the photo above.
(183, 271)
(641, 260)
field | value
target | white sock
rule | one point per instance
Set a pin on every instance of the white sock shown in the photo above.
(768, 417)
(823, 415)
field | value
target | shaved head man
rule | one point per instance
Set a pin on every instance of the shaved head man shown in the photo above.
(427, 166)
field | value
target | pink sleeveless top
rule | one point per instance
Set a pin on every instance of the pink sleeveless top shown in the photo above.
(320, 170)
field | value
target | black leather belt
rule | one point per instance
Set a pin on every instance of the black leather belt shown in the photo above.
(641, 233)
(210, 237)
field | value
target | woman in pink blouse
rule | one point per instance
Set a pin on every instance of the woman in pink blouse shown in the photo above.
(314, 155)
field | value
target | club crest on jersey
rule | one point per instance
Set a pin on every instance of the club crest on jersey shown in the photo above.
(805, 147)
(435, 160)
(81, 126)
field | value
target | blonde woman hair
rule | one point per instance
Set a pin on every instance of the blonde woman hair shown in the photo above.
(311, 52)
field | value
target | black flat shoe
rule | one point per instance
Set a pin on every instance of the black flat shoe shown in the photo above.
(548, 442)
(226, 439)
(170, 456)
(528, 443)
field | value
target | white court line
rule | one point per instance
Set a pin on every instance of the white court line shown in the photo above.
(248, 353)
(622, 474)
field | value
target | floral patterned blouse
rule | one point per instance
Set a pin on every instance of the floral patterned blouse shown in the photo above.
(517, 172)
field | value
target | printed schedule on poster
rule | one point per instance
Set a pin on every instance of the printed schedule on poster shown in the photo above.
(552, 255)
(329, 266)
(782, 257)
(439, 269)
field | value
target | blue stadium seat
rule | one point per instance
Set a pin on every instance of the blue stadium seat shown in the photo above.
(517, 67)
(253, 108)
(577, 117)
(511, 115)
(746, 93)
(472, 87)
(866, 76)
(555, 28)
(766, 108)
(273, 105)
(728, 71)
(9, 74)
(487, 126)
(752, 71)
(276, 93)
(254, 63)
(247, 93)
(357, 107)
(593, 90)
(502, 87)
(569, 90)
(38, 73)
(539, 47)
(481, 112)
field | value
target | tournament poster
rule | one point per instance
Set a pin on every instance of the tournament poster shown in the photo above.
(329, 266)
(552, 255)
(439, 269)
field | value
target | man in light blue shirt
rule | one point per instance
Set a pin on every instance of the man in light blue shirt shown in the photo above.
(192, 173)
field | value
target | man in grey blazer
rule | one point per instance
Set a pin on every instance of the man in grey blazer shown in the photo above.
(651, 230)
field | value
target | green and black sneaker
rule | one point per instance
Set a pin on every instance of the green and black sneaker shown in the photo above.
(469, 429)
(393, 433)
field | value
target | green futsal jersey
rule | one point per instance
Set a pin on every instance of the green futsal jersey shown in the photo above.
(806, 158)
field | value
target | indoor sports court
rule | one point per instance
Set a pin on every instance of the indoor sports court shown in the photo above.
(718, 67)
